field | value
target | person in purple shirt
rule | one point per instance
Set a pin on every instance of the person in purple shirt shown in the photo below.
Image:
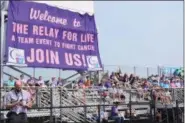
(115, 114)
(108, 84)
(31, 81)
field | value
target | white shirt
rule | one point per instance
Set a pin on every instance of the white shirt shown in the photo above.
(168, 93)
(113, 90)
(40, 82)
(178, 84)
(120, 91)
(54, 83)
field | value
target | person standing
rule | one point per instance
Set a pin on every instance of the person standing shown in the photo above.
(18, 101)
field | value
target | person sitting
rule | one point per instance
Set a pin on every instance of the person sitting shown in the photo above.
(23, 80)
(113, 92)
(31, 81)
(53, 82)
(87, 82)
(172, 84)
(115, 115)
(166, 84)
(40, 82)
(60, 82)
(133, 113)
(11, 82)
(103, 116)
(120, 94)
(177, 83)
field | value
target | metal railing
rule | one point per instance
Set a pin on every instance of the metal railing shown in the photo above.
(58, 104)
(141, 71)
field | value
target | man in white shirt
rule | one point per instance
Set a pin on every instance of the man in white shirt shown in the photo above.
(23, 80)
(40, 82)
(53, 82)
(18, 101)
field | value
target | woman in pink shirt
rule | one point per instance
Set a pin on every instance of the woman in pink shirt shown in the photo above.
(172, 84)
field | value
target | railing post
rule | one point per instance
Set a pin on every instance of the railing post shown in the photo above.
(99, 116)
(61, 104)
(151, 106)
(59, 72)
(134, 70)
(147, 70)
(51, 105)
(85, 111)
(2, 53)
(159, 70)
(177, 111)
(37, 98)
(33, 72)
(154, 106)
(167, 117)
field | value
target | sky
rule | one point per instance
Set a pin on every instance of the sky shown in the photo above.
(142, 33)
(137, 33)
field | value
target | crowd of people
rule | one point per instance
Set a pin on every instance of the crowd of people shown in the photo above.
(114, 86)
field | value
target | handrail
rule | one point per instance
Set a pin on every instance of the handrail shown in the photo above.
(10, 75)
(72, 81)
(89, 89)
(19, 71)
(71, 76)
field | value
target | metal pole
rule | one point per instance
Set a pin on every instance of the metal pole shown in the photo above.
(154, 106)
(51, 105)
(34, 72)
(167, 118)
(60, 105)
(159, 70)
(130, 106)
(147, 69)
(3, 13)
(134, 70)
(177, 111)
(59, 73)
(99, 81)
(99, 120)
(85, 111)
(151, 105)
(2, 52)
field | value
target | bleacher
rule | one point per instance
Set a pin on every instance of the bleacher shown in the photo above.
(68, 97)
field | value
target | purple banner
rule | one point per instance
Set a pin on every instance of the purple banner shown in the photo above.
(39, 35)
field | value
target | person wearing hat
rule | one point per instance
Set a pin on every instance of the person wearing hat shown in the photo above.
(18, 101)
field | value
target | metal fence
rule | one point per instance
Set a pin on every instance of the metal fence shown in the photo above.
(55, 105)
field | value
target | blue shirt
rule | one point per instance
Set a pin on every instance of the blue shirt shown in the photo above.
(10, 83)
(161, 84)
(165, 85)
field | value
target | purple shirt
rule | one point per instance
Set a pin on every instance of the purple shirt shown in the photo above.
(108, 84)
(114, 111)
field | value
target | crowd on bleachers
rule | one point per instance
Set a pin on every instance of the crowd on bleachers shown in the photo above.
(115, 84)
